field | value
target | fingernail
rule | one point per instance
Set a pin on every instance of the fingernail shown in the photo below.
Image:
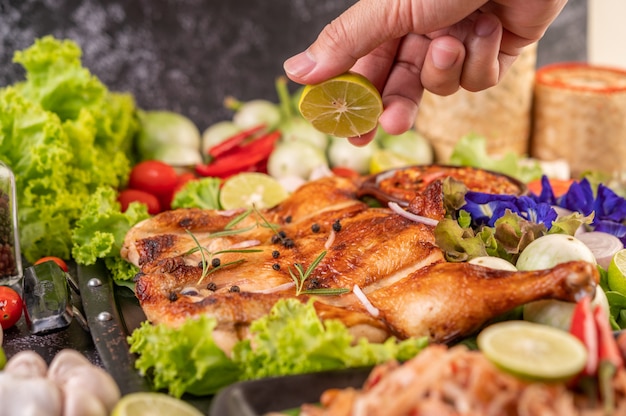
(300, 64)
(444, 58)
(485, 26)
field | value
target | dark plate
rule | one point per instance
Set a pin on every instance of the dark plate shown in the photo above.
(258, 397)
(112, 313)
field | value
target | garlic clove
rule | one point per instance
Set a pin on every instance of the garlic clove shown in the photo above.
(26, 364)
(93, 380)
(29, 396)
(63, 362)
(81, 403)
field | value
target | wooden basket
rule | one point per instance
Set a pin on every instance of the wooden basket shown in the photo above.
(580, 116)
(502, 114)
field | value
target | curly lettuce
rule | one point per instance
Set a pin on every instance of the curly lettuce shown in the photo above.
(201, 193)
(64, 134)
(100, 230)
(290, 340)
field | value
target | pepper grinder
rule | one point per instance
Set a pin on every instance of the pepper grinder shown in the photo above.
(10, 257)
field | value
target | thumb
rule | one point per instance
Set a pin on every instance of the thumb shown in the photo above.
(365, 26)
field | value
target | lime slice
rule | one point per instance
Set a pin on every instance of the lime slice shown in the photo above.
(616, 272)
(347, 105)
(248, 189)
(154, 404)
(383, 160)
(3, 358)
(533, 351)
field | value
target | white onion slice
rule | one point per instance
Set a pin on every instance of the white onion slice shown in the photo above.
(417, 218)
(331, 239)
(602, 245)
(365, 301)
(245, 244)
(274, 289)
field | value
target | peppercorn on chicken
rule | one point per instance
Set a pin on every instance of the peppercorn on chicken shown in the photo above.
(378, 272)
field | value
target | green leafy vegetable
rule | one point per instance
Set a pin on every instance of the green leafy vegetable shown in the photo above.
(100, 232)
(201, 193)
(63, 134)
(185, 359)
(290, 340)
(471, 150)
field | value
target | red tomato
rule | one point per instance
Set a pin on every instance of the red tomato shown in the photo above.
(153, 176)
(57, 260)
(183, 178)
(345, 172)
(134, 195)
(10, 307)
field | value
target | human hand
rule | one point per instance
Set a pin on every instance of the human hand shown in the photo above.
(407, 46)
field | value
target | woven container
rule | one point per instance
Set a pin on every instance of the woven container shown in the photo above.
(502, 114)
(580, 116)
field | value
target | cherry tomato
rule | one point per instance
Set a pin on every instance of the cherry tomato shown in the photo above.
(183, 178)
(345, 172)
(10, 307)
(57, 260)
(134, 195)
(153, 176)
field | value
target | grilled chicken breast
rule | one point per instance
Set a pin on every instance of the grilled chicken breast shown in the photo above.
(235, 265)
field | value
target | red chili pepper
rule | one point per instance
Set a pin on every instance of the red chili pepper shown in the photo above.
(583, 327)
(610, 359)
(608, 349)
(234, 141)
(245, 158)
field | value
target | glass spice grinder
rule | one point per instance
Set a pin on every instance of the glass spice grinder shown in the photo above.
(10, 257)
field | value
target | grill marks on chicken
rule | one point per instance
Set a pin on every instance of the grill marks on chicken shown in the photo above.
(392, 259)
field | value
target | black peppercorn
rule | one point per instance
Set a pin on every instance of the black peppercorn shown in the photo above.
(288, 243)
(337, 226)
(275, 254)
(211, 286)
(216, 262)
(282, 234)
(173, 296)
(276, 266)
(234, 289)
(275, 239)
(315, 228)
(288, 219)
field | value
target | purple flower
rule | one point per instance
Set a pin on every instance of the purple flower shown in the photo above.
(486, 209)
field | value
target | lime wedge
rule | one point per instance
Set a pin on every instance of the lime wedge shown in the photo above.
(616, 272)
(153, 404)
(3, 358)
(383, 160)
(347, 105)
(249, 189)
(533, 351)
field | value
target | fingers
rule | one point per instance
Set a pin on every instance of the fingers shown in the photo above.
(481, 68)
(443, 65)
(367, 25)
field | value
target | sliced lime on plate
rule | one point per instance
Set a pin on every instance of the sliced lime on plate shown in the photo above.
(153, 404)
(533, 351)
(249, 189)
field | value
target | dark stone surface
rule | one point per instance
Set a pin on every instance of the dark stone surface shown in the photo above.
(188, 55)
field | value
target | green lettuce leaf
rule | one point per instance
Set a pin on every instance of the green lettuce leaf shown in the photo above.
(471, 150)
(202, 193)
(100, 231)
(290, 340)
(185, 359)
(63, 134)
(293, 340)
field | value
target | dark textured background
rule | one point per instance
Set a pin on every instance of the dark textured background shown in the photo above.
(187, 55)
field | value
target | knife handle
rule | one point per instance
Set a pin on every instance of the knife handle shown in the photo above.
(47, 301)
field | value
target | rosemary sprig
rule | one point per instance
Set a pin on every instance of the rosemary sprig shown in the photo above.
(303, 275)
(206, 262)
